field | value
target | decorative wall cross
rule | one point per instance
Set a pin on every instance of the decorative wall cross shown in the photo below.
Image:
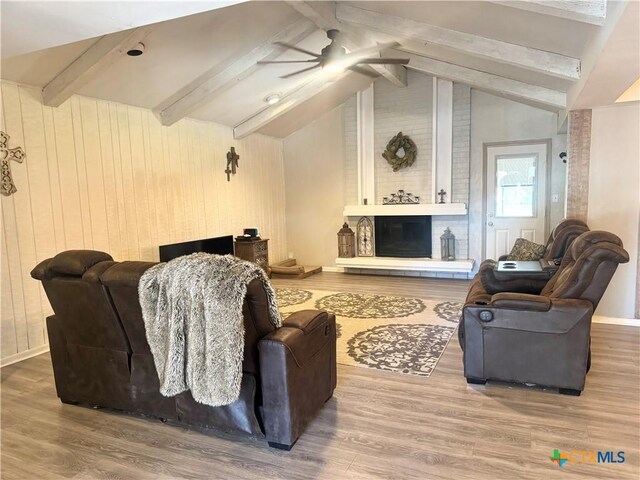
(7, 187)
(442, 193)
(232, 163)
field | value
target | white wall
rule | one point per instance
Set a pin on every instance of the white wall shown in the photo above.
(496, 119)
(350, 150)
(106, 176)
(314, 170)
(614, 203)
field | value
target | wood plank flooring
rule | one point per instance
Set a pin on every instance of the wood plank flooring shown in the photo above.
(377, 425)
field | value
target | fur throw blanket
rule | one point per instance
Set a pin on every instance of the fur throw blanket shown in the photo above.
(192, 311)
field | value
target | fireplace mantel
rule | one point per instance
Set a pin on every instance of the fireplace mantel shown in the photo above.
(412, 209)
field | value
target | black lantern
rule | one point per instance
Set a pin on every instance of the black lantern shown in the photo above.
(346, 242)
(447, 245)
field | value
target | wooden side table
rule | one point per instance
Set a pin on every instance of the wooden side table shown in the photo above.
(256, 251)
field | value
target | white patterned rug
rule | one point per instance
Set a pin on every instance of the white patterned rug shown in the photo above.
(396, 334)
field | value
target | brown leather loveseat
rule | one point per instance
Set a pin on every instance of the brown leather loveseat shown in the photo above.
(541, 338)
(101, 356)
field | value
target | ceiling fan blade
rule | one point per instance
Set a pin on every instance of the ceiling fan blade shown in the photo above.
(365, 52)
(300, 71)
(296, 48)
(266, 62)
(383, 61)
(362, 71)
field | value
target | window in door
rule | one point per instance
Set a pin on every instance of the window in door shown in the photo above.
(516, 185)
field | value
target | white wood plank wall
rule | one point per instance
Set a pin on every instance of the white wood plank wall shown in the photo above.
(107, 176)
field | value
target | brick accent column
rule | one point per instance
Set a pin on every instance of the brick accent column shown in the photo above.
(578, 157)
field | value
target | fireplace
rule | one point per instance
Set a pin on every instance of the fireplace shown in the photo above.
(403, 236)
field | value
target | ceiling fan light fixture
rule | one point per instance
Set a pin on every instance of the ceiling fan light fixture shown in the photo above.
(273, 98)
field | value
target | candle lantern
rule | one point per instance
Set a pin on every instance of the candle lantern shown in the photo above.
(346, 242)
(447, 245)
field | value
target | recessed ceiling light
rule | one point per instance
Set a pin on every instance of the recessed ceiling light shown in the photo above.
(273, 98)
(137, 50)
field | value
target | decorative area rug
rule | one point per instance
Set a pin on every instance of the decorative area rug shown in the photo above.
(392, 333)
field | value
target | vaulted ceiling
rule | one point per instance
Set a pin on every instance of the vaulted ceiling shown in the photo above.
(204, 65)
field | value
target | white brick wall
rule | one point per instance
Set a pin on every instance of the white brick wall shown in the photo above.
(459, 175)
(410, 110)
(459, 227)
(461, 139)
(407, 110)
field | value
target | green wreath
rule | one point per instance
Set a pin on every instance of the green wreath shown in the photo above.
(398, 142)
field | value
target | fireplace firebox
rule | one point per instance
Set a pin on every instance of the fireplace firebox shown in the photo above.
(404, 236)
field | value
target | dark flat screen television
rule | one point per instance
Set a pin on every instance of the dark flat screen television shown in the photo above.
(219, 245)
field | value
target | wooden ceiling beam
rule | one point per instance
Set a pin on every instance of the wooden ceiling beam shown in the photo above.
(549, 99)
(593, 12)
(225, 75)
(323, 14)
(85, 68)
(527, 58)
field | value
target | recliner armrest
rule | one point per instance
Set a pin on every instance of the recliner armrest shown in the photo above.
(504, 342)
(562, 316)
(521, 301)
(302, 333)
(298, 373)
(305, 320)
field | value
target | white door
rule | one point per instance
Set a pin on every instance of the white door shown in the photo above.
(516, 196)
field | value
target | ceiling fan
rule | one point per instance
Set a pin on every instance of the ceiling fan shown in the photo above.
(334, 57)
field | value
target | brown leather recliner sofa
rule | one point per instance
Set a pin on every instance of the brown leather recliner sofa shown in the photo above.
(101, 357)
(543, 338)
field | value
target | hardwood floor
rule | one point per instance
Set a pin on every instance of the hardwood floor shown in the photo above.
(377, 425)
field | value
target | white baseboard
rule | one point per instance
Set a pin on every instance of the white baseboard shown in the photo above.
(333, 269)
(18, 357)
(630, 322)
